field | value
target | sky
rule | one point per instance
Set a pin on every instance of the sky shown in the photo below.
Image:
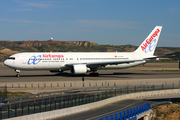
(113, 22)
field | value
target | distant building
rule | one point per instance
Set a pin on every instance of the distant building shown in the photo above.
(51, 39)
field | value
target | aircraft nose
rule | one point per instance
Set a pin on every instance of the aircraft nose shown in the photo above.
(5, 62)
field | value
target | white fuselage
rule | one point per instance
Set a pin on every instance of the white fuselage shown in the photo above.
(58, 60)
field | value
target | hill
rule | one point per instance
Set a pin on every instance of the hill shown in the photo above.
(11, 47)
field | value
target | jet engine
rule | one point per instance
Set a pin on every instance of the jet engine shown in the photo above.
(79, 69)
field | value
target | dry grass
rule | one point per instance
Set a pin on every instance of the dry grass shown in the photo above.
(8, 51)
(168, 112)
(16, 94)
(1, 64)
(158, 67)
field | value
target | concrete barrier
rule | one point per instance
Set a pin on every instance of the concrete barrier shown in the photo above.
(86, 107)
(145, 115)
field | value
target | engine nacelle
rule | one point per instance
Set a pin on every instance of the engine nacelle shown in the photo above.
(79, 69)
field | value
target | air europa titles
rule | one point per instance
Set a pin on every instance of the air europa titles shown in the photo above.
(148, 41)
(36, 59)
(52, 56)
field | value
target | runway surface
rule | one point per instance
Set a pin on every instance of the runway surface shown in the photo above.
(133, 76)
(8, 75)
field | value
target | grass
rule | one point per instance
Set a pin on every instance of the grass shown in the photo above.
(164, 70)
(1, 64)
(165, 61)
(14, 94)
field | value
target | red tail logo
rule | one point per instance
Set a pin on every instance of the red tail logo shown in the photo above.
(148, 41)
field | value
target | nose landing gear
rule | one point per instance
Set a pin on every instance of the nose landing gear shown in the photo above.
(17, 73)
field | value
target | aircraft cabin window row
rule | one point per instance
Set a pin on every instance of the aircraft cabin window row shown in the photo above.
(58, 59)
(77, 58)
(41, 59)
(102, 58)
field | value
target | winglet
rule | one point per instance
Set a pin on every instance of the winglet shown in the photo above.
(148, 46)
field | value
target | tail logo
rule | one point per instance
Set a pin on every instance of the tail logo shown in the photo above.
(150, 44)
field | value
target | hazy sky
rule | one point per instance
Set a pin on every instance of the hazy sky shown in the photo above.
(117, 22)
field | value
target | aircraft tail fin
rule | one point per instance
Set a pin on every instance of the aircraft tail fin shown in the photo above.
(148, 46)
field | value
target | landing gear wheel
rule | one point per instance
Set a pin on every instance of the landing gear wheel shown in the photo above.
(17, 73)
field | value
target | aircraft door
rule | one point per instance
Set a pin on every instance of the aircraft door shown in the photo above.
(24, 60)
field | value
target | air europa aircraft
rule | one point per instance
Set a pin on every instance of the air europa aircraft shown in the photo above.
(84, 62)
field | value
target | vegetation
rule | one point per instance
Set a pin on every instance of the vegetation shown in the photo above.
(6, 94)
(11, 47)
(168, 112)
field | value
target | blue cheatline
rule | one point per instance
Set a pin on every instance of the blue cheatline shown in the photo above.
(129, 114)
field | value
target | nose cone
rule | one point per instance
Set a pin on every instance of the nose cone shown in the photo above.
(5, 62)
(9, 63)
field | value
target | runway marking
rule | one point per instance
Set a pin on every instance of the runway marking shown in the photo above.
(112, 111)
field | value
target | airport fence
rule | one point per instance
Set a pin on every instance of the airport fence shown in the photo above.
(71, 84)
(61, 85)
(129, 114)
(48, 101)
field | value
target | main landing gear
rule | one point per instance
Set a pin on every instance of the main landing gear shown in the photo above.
(94, 74)
(17, 73)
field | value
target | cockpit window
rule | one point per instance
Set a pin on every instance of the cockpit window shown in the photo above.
(12, 58)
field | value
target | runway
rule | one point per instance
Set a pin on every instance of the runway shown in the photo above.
(8, 75)
(133, 76)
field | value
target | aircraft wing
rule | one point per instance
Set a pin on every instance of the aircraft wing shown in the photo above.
(101, 64)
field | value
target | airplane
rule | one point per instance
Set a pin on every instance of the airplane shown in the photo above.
(84, 62)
